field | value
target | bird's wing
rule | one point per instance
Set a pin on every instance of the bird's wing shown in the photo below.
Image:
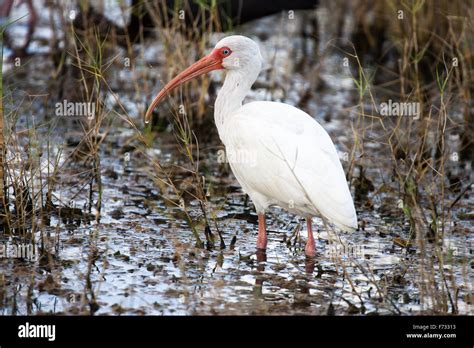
(290, 157)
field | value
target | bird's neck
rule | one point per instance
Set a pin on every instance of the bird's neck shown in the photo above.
(229, 99)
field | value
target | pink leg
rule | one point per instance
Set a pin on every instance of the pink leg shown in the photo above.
(262, 232)
(310, 249)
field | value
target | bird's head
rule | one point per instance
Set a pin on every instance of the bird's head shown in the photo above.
(238, 53)
(234, 53)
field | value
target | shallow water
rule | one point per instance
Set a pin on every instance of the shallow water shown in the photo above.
(144, 261)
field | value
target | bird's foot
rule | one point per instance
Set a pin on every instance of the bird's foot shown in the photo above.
(261, 256)
(309, 265)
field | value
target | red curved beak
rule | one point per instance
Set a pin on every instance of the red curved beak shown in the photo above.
(208, 63)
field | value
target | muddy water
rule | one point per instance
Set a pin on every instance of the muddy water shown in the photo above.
(145, 263)
(142, 259)
(141, 256)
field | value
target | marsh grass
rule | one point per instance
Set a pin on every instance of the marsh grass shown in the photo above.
(430, 44)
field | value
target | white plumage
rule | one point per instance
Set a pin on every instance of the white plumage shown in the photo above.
(294, 163)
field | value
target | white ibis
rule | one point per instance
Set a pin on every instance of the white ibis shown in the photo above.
(280, 155)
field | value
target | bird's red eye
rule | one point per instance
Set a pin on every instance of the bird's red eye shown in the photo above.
(226, 51)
